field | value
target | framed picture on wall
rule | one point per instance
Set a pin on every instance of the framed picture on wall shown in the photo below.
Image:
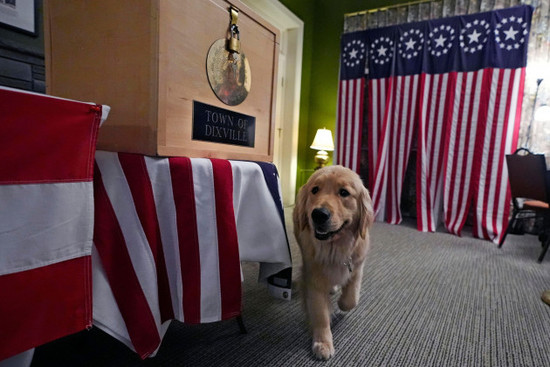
(19, 15)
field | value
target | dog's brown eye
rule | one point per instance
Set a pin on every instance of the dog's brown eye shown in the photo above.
(344, 193)
(315, 190)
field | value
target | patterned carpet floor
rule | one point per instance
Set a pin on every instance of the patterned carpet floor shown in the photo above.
(428, 299)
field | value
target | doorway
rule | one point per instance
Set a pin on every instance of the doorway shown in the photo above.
(287, 110)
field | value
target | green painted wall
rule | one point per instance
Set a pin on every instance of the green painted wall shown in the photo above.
(323, 24)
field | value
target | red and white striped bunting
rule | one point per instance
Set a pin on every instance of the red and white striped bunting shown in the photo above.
(170, 234)
(46, 217)
(394, 123)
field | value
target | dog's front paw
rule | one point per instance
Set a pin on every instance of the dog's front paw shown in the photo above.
(347, 303)
(323, 350)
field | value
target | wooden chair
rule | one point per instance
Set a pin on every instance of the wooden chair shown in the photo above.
(529, 187)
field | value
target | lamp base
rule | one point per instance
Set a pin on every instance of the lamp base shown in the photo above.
(321, 158)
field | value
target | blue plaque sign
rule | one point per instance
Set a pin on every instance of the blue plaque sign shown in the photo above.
(219, 125)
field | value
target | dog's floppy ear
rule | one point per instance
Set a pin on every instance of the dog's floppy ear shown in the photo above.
(300, 211)
(366, 214)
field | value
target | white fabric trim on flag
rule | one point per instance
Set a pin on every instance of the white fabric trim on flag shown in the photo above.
(251, 208)
(205, 200)
(57, 225)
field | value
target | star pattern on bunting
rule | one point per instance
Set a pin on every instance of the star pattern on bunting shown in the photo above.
(354, 52)
(474, 36)
(510, 33)
(441, 40)
(411, 43)
(382, 50)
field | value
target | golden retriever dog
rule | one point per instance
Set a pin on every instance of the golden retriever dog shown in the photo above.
(331, 219)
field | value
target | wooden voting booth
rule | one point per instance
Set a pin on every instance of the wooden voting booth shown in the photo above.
(147, 59)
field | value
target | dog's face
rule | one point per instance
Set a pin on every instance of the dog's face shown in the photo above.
(334, 201)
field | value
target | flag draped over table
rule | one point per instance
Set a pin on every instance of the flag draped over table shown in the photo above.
(170, 234)
(46, 217)
(457, 85)
(167, 281)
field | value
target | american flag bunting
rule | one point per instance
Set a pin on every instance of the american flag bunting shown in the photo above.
(456, 86)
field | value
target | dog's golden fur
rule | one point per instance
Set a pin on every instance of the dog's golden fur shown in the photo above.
(331, 219)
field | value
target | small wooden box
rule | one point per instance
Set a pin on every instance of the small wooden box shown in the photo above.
(147, 60)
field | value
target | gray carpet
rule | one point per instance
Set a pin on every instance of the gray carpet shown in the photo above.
(428, 300)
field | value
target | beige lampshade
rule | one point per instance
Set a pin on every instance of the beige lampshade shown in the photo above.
(323, 140)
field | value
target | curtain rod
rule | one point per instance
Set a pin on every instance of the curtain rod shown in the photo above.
(383, 8)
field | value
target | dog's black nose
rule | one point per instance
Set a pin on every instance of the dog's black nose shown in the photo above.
(320, 215)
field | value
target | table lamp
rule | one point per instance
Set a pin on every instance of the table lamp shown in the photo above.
(322, 142)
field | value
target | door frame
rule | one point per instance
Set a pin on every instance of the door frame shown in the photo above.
(287, 115)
